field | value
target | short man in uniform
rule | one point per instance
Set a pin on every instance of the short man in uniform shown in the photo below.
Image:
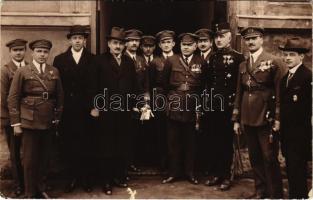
(35, 102)
(17, 49)
(295, 116)
(182, 81)
(156, 79)
(75, 126)
(149, 137)
(221, 82)
(147, 46)
(257, 102)
(133, 37)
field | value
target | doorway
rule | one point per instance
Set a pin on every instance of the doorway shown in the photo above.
(152, 16)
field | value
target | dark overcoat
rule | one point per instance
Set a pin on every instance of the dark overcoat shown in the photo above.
(296, 112)
(75, 126)
(115, 84)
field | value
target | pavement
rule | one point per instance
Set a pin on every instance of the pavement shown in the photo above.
(150, 187)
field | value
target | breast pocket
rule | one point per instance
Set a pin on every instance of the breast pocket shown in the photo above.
(51, 83)
(27, 109)
(263, 76)
(177, 74)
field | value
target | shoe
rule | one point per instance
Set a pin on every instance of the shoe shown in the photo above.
(225, 185)
(120, 183)
(107, 189)
(214, 180)
(43, 195)
(170, 179)
(87, 188)
(18, 191)
(193, 180)
(70, 187)
(133, 168)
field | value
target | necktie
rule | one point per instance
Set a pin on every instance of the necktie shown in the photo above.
(202, 55)
(20, 65)
(290, 75)
(134, 58)
(251, 62)
(186, 60)
(118, 59)
(41, 69)
(149, 60)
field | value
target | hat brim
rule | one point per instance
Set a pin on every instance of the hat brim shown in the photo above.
(252, 35)
(221, 32)
(69, 35)
(115, 38)
(299, 50)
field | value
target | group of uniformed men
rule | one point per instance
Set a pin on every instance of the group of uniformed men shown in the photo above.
(252, 95)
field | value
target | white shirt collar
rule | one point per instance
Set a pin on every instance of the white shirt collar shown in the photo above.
(188, 58)
(166, 55)
(294, 69)
(132, 55)
(147, 58)
(205, 54)
(77, 54)
(19, 63)
(37, 65)
(256, 54)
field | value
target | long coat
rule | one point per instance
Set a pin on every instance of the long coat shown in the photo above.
(296, 112)
(112, 80)
(75, 126)
(258, 90)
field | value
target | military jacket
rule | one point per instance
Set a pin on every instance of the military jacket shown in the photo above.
(182, 82)
(30, 103)
(222, 74)
(7, 73)
(257, 95)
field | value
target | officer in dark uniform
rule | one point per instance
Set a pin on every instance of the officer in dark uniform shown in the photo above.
(75, 127)
(132, 37)
(182, 78)
(256, 104)
(17, 49)
(205, 47)
(295, 116)
(149, 138)
(35, 102)
(221, 82)
(157, 92)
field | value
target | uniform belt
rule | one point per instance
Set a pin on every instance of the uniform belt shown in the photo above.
(255, 88)
(43, 95)
(185, 87)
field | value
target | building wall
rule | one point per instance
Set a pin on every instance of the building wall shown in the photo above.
(51, 20)
(280, 19)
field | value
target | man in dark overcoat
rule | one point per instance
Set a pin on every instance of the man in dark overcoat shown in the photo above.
(75, 126)
(295, 117)
(17, 49)
(115, 84)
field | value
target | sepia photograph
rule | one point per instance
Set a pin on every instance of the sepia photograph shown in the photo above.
(156, 99)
